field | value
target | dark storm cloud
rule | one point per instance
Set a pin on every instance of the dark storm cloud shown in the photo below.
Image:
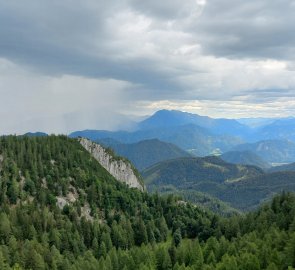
(166, 10)
(248, 29)
(58, 38)
(70, 37)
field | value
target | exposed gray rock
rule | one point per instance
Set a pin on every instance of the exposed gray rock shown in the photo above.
(85, 212)
(120, 169)
(61, 202)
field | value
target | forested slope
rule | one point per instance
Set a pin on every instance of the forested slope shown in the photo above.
(243, 187)
(58, 204)
(48, 185)
(264, 239)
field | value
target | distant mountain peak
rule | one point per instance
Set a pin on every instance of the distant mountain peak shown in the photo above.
(169, 118)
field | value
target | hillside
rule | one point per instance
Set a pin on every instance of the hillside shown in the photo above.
(263, 239)
(243, 187)
(256, 190)
(147, 153)
(203, 200)
(60, 209)
(191, 172)
(245, 158)
(272, 151)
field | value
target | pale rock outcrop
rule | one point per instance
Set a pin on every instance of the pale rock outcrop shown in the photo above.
(120, 169)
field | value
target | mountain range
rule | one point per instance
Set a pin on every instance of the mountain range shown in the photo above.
(201, 141)
(207, 135)
(163, 147)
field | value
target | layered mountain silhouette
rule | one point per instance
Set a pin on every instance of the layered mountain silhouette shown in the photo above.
(206, 135)
(202, 135)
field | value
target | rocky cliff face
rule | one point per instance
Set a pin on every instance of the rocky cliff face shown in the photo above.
(120, 169)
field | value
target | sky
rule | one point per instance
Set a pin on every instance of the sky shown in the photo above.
(92, 64)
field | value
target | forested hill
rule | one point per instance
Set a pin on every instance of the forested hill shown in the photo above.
(243, 187)
(59, 204)
(194, 171)
(61, 210)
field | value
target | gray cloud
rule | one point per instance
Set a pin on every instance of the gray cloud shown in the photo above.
(249, 29)
(57, 38)
(214, 50)
(168, 10)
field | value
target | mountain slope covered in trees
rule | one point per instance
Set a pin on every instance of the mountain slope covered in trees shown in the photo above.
(243, 187)
(194, 171)
(61, 210)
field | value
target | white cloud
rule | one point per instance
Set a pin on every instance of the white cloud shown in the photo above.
(282, 107)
